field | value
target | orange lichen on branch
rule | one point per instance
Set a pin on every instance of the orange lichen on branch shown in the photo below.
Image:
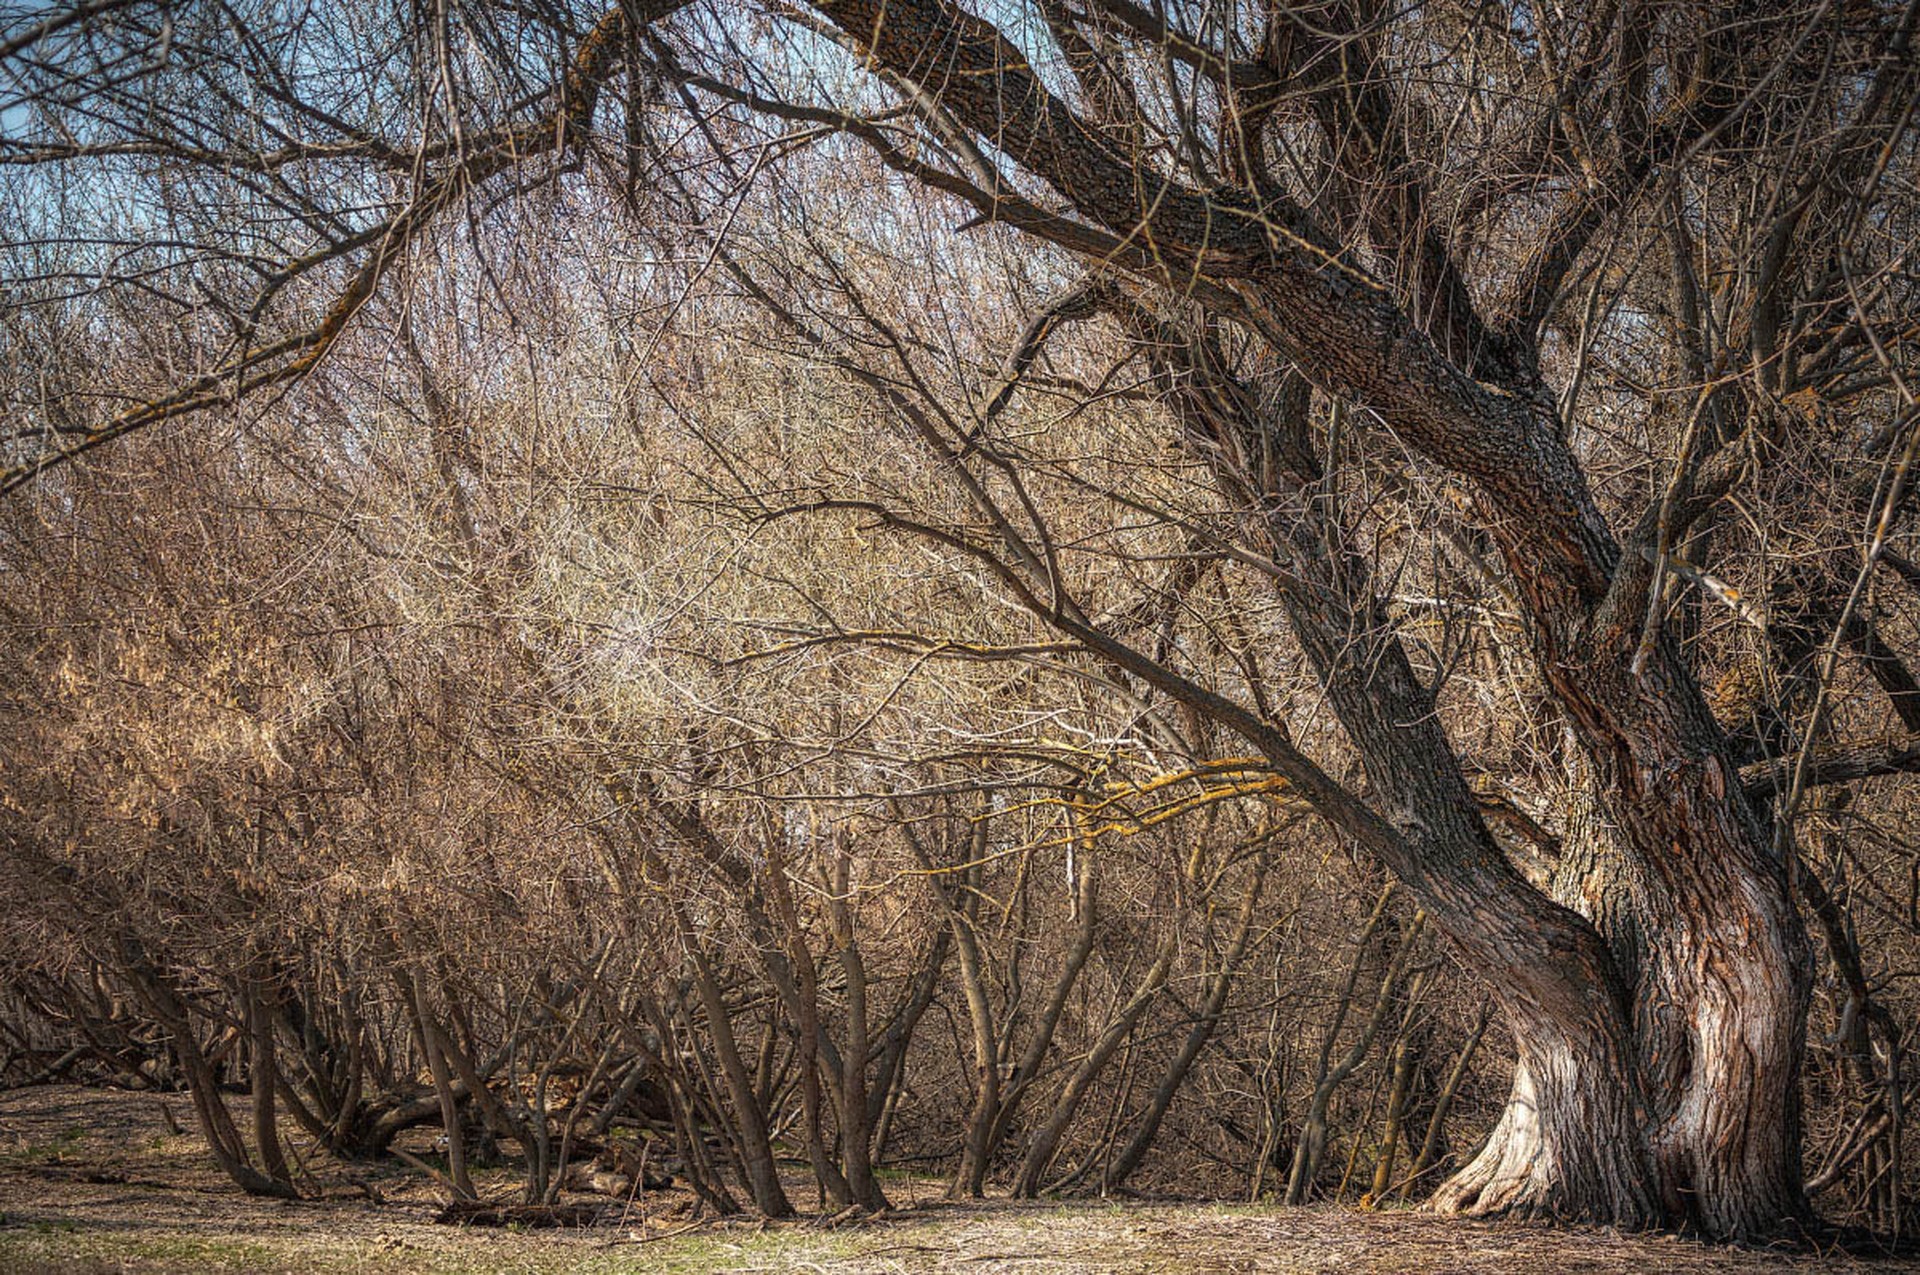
(1106, 811)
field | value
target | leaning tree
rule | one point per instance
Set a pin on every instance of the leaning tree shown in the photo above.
(1618, 294)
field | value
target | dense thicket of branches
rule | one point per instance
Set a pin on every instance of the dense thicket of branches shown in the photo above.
(1292, 599)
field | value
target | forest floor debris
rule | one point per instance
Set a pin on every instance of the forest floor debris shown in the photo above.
(93, 1181)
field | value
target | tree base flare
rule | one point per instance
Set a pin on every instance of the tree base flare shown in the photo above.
(1566, 1149)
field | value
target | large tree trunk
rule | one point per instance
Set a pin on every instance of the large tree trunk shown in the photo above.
(1698, 913)
(1657, 1087)
(1719, 1011)
(1723, 1070)
(1703, 932)
(1568, 1145)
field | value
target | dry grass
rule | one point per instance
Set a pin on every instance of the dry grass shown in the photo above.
(92, 1181)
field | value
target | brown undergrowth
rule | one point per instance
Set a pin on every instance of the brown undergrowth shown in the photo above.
(98, 1181)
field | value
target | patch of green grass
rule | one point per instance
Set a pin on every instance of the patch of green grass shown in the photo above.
(777, 1249)
(65, 1246)
(212, 1252)
(45, 1152)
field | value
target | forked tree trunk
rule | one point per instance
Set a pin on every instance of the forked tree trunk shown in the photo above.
(1658, 1051)
(1711, 1099)
(752, 1141)
(1045, 1143)
(264, 1076)
(1717, 961)
(856, 1132)
(229, 1151)
(427, 1029)
(1701, 914)
(828, 1178)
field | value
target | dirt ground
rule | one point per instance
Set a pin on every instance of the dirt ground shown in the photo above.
(97, 1181)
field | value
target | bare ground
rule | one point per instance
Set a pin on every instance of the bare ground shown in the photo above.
(94, 1181)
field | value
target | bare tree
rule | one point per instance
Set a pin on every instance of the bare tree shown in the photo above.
(1497, 366)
